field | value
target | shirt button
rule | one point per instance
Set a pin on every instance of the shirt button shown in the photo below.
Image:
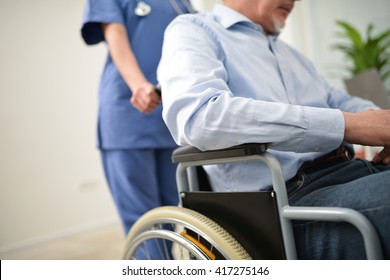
(317, 149)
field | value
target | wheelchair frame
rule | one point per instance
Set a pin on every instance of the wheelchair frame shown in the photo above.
(190, 157)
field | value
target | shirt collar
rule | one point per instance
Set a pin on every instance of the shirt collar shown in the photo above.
(228, 17)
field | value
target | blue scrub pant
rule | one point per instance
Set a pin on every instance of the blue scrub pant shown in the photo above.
(356, 184)
(139, 180)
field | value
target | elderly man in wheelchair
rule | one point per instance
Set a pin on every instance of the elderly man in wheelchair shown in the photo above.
(227, 80)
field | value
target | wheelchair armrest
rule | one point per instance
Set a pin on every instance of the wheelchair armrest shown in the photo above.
(189, 153)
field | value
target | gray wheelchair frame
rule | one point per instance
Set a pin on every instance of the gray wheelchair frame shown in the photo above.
(187, 181)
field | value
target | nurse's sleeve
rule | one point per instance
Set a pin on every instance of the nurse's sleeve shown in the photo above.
(97, 12)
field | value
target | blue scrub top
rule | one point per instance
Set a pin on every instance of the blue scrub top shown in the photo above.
(120, 125)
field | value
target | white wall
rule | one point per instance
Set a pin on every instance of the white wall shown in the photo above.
(51, 182)
(313, 29)
(205, 5)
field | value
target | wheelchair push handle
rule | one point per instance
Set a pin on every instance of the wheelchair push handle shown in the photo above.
(157, 89)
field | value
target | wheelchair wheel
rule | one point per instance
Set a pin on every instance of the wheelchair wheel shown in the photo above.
(180, 233)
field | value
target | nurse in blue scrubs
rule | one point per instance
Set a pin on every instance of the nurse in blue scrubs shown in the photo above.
(135, 144)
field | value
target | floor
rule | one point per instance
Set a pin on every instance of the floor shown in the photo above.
(105, 243)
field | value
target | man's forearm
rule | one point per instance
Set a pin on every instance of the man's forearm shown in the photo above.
(370, 128)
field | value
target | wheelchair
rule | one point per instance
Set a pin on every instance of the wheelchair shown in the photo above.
(231, 226)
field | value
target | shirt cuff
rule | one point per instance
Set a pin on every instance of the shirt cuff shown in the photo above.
(325, 130)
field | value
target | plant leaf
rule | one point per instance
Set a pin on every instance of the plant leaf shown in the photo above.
(352, 33)
(370, 28)
(374, 52)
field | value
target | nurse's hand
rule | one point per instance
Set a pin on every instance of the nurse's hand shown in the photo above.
(145, 99)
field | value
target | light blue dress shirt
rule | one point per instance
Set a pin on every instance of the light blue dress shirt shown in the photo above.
(225, 83)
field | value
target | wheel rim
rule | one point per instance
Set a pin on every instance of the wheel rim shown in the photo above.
(179, 239)
(203, 237)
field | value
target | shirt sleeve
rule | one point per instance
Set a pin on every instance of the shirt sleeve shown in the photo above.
(97, 12)
(201, 110)
(339, 98)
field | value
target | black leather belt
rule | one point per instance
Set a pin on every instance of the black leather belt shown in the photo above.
(339, 155)
(342, 154)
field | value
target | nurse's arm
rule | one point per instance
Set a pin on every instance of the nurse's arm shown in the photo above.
(144, 98)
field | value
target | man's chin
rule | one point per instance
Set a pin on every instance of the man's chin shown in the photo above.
(278, 26)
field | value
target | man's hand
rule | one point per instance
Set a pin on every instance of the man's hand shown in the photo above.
(370, 128)
(383, 156)
(145, 99)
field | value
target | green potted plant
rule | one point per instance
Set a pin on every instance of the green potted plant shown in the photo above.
(369, 61)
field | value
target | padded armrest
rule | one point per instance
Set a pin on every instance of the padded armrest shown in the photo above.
(188, 153)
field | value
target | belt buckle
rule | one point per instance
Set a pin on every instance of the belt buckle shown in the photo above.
(345, 152)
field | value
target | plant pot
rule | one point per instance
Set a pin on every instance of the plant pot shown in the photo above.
(368, 85)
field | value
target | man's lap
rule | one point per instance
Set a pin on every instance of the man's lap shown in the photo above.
(357, 184)
(343, 185)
